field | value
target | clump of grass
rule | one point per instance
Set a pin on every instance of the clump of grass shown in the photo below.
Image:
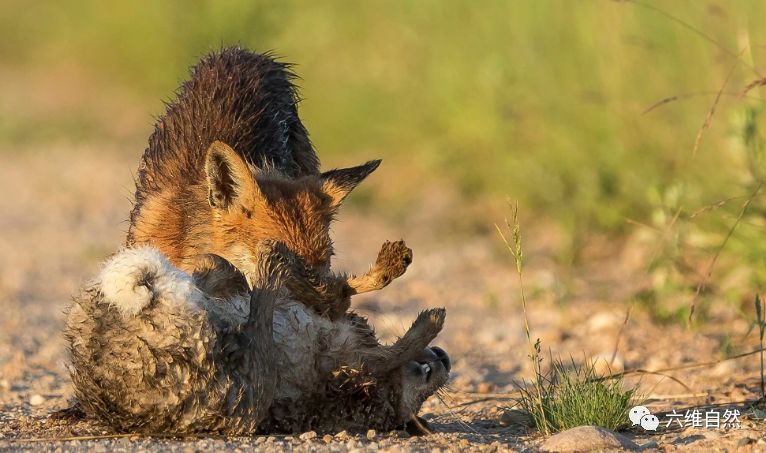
(572, 394)
(568, 395)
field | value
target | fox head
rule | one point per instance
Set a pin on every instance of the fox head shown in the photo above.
(249, 205)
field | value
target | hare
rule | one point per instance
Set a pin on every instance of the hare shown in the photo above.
(157, 349)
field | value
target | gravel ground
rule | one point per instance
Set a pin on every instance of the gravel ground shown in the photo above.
(64, 211)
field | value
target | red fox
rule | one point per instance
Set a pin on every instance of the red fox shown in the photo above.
(230, 164)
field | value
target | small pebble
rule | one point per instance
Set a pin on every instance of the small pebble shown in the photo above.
(726, 368)
(604, 364)
(485, 387)
(343, 435)
(327, 438)
(651, 444)
(603, 321)
(36, 400)
(514, 417)
(308, 436)
(745, 441)
(371, 434)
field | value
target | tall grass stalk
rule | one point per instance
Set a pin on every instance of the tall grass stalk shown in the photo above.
(514, 247)
(760, 320)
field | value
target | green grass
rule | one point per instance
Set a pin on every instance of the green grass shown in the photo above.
(571, 395)
(760, 321)
(714, 250)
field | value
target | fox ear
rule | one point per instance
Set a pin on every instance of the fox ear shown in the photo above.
(339, 183)
(228, 176)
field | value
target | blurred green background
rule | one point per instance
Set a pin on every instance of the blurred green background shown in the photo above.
(542, 101)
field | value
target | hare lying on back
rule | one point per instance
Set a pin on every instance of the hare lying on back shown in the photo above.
(155, 349)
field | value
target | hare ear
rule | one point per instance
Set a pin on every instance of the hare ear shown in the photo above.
(339, 183)
(228, 177)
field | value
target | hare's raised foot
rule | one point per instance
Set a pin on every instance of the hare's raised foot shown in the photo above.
(393, 260)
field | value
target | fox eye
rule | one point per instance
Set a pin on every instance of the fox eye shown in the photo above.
(247, 212)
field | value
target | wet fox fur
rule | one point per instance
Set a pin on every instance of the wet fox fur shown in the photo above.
(230, 165)
(157, 350)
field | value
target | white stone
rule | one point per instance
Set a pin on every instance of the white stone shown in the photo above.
(586, 438)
